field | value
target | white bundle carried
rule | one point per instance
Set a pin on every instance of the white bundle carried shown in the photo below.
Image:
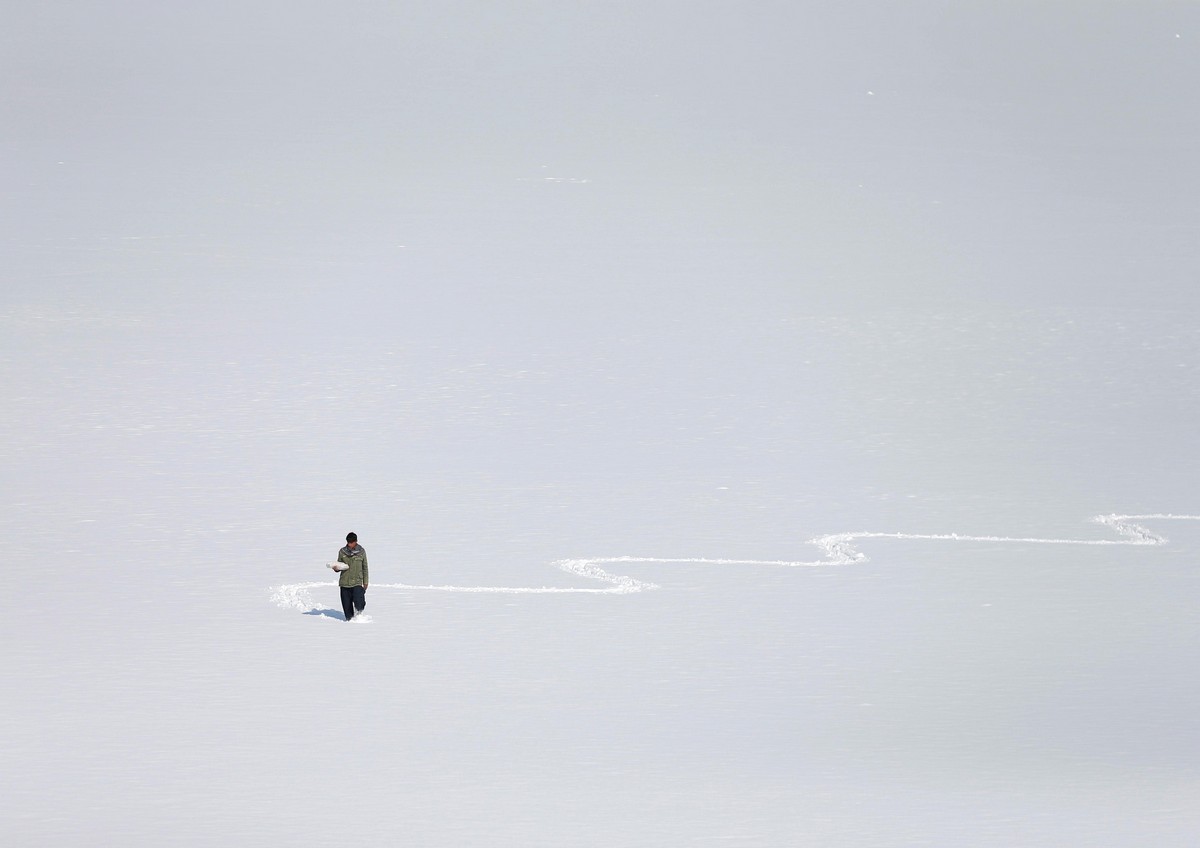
(337, 566)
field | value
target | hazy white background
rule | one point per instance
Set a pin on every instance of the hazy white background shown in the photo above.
(494, 284)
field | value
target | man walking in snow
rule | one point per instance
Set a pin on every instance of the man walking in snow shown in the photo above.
(353, 581)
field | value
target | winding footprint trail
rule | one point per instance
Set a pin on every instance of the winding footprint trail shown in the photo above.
(838, 549)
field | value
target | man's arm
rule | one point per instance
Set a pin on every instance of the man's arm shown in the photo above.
(365, 580)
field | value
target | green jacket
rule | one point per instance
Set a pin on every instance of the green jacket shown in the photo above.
(356, 575)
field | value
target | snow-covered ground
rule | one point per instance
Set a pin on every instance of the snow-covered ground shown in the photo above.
(725, 399)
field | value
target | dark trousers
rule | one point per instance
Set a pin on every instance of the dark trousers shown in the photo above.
(353, 598)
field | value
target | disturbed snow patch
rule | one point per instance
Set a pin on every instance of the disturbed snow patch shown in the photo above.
(838, 549)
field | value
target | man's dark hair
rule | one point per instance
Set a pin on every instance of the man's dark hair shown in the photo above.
(351, 537)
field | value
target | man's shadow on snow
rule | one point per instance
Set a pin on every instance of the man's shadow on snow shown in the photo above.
(337, 615)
